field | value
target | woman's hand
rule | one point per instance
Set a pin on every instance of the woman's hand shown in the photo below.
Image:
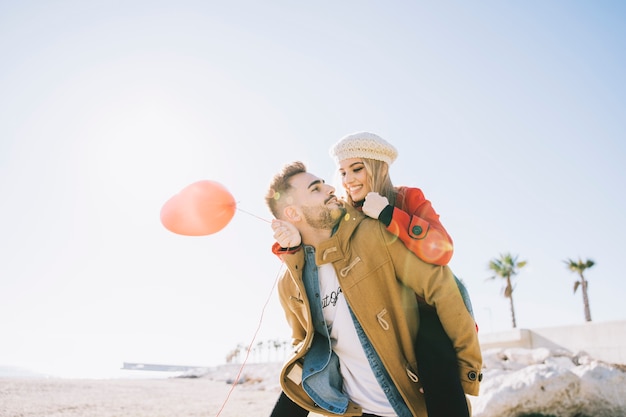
(374, 204)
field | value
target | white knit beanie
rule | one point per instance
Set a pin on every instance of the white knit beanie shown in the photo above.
(363, 145)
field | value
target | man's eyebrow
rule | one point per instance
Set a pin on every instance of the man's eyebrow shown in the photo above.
(314, 183)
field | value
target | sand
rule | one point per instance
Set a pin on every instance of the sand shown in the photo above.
(165, 397)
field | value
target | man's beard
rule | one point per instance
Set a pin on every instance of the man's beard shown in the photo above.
(323, 218)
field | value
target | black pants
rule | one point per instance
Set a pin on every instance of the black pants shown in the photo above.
(284, 407)
(438, 368)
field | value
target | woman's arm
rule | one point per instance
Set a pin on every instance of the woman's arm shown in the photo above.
(416, 223)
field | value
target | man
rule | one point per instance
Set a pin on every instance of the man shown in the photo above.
(349, 298)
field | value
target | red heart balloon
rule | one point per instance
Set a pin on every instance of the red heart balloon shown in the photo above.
(200, 209)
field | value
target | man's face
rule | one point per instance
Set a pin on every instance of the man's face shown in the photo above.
(317, 201)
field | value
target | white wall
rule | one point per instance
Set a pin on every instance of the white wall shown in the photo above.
(604, 341)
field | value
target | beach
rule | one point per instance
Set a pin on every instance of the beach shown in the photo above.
(206, 392)
(165, 397)
(516, 382)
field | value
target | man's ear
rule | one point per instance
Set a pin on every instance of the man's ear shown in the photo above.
(292, 214)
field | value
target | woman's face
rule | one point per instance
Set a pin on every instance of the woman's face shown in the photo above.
(354, 178)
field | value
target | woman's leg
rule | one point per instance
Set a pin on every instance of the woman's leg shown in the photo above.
(438, 368)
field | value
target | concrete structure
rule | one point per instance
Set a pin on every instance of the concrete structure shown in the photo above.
(160, 367)
(604, 341)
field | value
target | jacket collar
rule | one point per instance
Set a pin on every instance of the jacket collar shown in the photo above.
(335, 248)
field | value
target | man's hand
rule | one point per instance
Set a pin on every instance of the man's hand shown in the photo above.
(286, 234)
(374, 204)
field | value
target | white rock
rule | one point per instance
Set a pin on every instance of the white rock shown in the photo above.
(538, 381)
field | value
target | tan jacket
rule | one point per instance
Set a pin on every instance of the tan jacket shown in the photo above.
(379, 278)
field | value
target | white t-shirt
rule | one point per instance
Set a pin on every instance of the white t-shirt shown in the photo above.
(359, 381)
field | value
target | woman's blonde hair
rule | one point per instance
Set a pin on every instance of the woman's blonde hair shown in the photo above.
(378, 180)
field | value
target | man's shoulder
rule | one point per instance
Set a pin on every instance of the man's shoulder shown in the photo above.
(356, 220)
(359, 227)
(370, 229)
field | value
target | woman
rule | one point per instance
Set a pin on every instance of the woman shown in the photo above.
(363, 160)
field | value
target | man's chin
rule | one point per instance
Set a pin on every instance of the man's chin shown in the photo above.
(338, 212)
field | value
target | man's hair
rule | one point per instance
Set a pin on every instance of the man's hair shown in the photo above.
(277, 195)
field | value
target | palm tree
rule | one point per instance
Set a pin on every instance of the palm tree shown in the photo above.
(507, 266)
(579, 267)
(277, 345)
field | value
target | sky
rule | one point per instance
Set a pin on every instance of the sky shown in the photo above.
(510, 116)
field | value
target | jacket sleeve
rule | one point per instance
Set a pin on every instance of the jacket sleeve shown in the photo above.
(436, 284)
(280, 251)
(292, 301)
(416, 223)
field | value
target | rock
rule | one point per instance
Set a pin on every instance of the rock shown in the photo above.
(539, 382)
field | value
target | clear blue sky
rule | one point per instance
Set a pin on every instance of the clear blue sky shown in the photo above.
(509, 115)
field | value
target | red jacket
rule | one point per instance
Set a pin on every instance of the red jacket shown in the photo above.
(417, 225)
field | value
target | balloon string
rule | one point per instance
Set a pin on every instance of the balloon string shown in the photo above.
(243, 364)
(254, 215)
